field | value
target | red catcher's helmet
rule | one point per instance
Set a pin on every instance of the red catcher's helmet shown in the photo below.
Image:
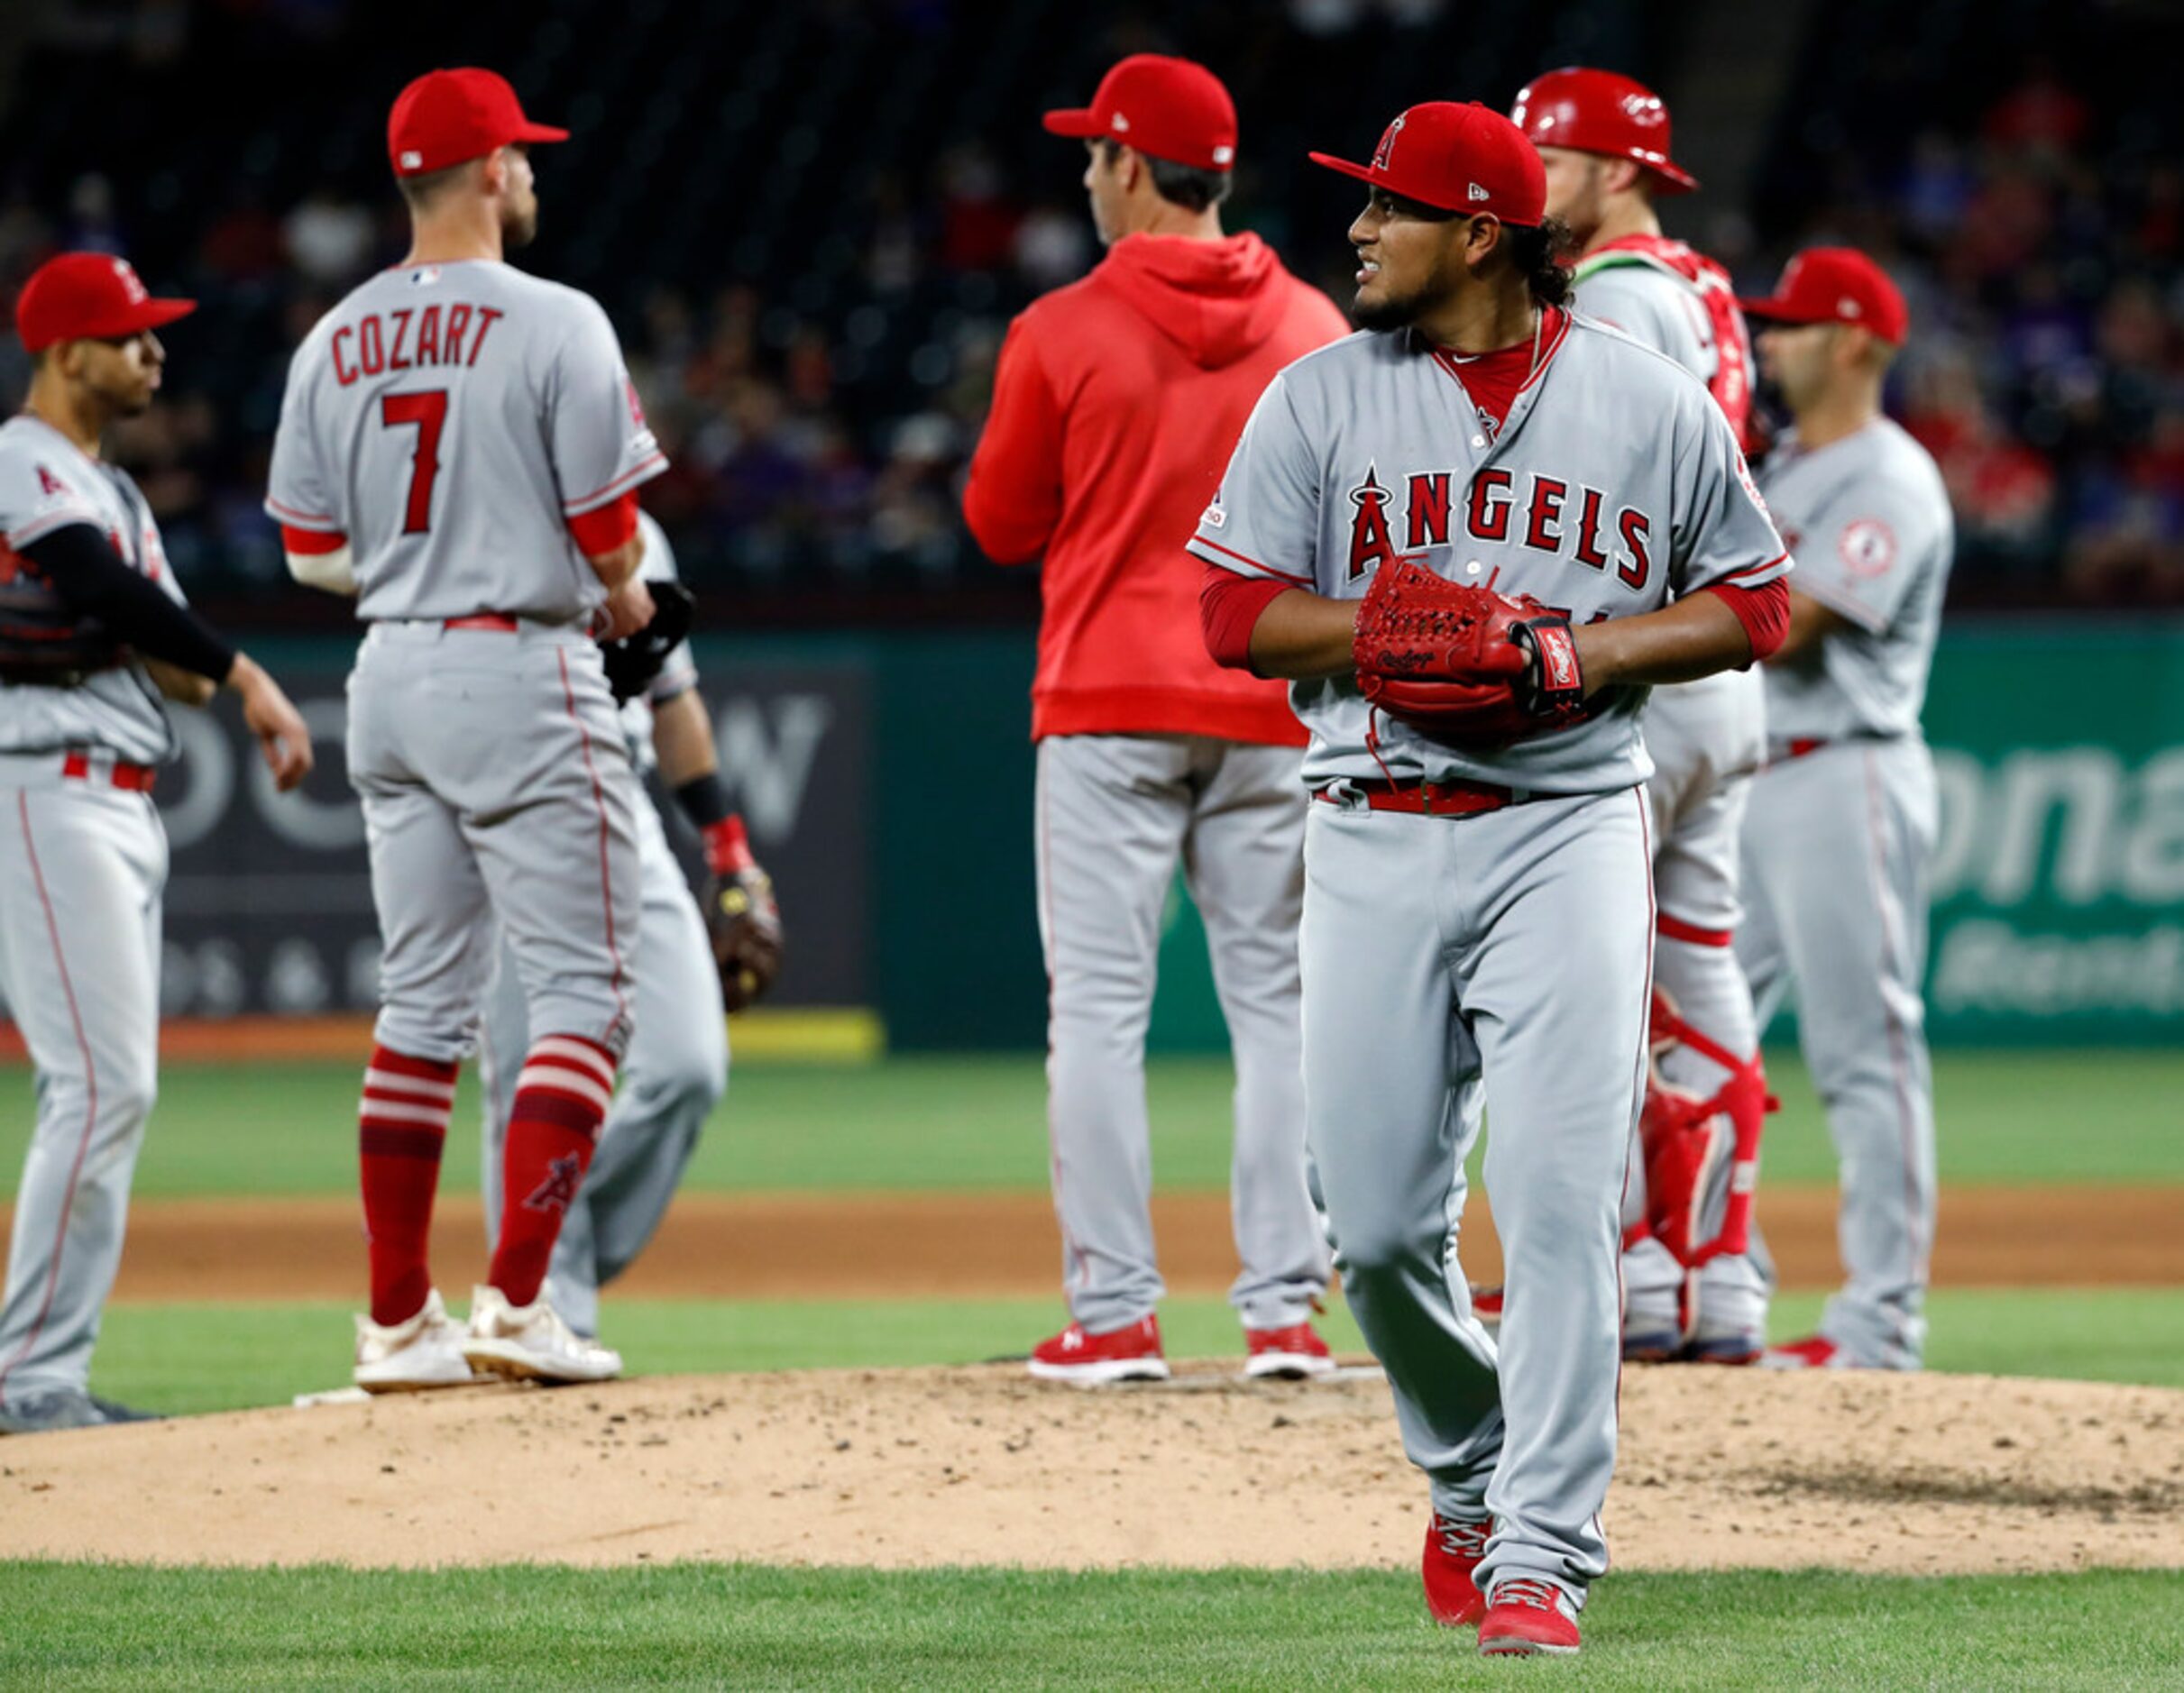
(1601, 112)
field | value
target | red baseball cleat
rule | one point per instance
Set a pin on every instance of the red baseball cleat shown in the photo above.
(1093, 1361)
(1454, 1546)
(1525, 1618)
(1814, 1352)
(1294, 1353)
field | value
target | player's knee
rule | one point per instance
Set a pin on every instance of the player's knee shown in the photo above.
(126, 1096)
(1375, 1250)
(691, 1075)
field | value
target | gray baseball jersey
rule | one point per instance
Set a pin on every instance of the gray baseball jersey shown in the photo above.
(1870, 520)
(1498, 960)
(1371, 449)
(46, 483)
(1648, 304)
(449, 419)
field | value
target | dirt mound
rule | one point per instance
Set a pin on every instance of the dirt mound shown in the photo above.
(1917, 1475)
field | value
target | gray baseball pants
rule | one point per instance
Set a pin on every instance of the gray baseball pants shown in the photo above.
(1502, 958)
(1116, 814)
(1836, 847)
(82, 868)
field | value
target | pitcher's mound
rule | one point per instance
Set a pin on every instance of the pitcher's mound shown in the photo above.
(1909, 1473)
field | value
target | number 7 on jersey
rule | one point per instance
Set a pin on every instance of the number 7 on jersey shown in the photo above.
(428, 411)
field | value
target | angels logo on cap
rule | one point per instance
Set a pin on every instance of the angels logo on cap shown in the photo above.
(1381, 154)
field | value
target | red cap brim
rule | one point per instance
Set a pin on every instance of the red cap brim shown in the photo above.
(159, 314)
(531, 132)
(1777, 311)
(1078, 123)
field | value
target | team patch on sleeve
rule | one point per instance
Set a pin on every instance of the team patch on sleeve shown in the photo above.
(1867, 546)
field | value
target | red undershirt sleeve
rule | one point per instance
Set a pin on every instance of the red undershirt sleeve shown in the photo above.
(1764, 612)
(1229, 608)
(311, 543)
(604, 527)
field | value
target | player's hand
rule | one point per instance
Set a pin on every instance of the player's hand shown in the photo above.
(629, 608)
(282, 738)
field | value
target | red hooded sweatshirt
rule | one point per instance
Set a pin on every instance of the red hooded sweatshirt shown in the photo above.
(1118, 401)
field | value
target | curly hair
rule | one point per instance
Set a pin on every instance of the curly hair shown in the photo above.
(1537, 253)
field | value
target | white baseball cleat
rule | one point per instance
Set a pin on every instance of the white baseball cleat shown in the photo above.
(531, 1342)
(412, 1357)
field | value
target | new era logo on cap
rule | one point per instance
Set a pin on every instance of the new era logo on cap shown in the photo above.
(1848, 307)
(1478, 192)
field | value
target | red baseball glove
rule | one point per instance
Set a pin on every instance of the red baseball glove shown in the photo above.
(1464, 664)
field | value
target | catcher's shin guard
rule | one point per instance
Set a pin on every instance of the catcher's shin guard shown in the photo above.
(1686, 1138)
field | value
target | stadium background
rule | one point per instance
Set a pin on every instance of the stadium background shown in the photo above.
(811, 223)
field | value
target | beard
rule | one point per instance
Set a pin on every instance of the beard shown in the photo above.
(520, 228)
(1386, 314)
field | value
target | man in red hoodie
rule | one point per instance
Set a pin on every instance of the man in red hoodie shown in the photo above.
(1115, 403)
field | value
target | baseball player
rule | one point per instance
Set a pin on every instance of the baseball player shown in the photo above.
(1478, 909)
(677, 1066)
(93, 632)
(1690, 1290)
(1115, 402)
(460, 446)
(1840, 833)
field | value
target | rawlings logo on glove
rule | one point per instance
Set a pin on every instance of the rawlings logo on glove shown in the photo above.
(1462, 664)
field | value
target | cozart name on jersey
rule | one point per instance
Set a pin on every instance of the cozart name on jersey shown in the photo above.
(1545, 514)
(411, 338)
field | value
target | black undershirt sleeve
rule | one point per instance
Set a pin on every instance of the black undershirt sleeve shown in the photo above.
(92, 580)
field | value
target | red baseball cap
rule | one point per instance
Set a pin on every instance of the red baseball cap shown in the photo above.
(1460, 158)
(447, 116)
(1166, 108)
(1836, 285)
(80, 295)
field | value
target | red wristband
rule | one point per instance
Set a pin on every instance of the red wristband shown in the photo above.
(727, 849)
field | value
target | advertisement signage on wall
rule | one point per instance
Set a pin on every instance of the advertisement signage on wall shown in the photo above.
(268, 900)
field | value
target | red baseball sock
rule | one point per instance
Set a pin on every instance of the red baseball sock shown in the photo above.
(401, 1126)
(560, 1100)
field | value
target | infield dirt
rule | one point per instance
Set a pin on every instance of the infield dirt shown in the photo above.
(1882, 1473)
(895, 1245)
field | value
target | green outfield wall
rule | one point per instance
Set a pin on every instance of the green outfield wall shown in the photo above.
(888, 780)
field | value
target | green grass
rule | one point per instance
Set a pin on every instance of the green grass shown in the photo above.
(980, 1122)
(743, 1627)
(219, 1358)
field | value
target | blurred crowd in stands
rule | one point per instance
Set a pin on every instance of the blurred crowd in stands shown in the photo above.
(2041, 242)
